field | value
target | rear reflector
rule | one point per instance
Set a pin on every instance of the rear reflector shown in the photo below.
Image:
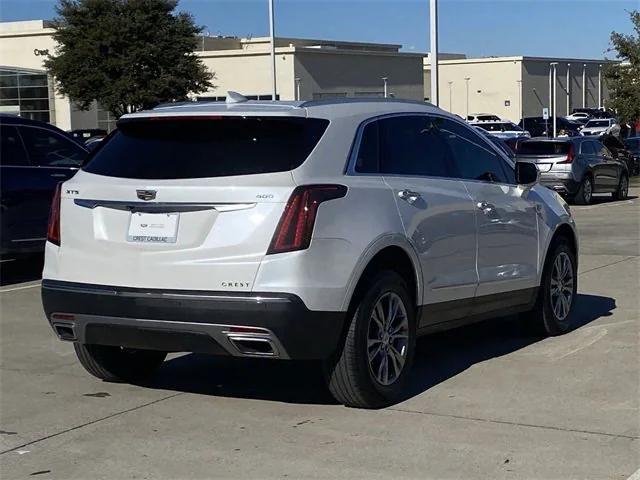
(53, 230)
(296, 224)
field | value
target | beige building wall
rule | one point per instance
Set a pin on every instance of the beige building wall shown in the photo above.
(358, 74)
(250, 73)
(24, 45)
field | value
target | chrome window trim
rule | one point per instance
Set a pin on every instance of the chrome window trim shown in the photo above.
(355, 147)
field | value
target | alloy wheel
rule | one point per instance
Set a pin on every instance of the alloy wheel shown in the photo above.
(561, 288)
(388, 338)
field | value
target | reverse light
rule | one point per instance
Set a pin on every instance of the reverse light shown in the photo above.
(53, 230)
(295, 227)
(571, 155)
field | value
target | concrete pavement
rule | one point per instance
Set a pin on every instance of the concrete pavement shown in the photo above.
(485, 402)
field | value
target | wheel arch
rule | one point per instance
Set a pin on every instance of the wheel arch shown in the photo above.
(566, 231)
(387, 253)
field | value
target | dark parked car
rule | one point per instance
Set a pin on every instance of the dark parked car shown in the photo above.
(620, 151)
(633, 145)
(576, 167)
(594, 112)
(84, 134)
(539, 127)
(34, 158)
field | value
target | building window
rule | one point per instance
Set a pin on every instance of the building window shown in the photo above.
(322, 95)
(26, 93)
(106, 120)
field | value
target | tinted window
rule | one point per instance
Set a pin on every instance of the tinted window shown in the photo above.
(367, 161)
(198, 148)
(472, 156)
(11, 149)
(597, 123)
(413, 145)
(49, 149)
(632, 144)
(534, 147)
(586, 148)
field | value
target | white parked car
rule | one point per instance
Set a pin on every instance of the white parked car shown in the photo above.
(503, 130)
(600, 126)
(581, 117)
(336, 230)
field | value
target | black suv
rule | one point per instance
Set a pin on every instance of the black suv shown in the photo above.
(34, 158)
(539, 127)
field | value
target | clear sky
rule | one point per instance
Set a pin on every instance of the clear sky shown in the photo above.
(563, 28)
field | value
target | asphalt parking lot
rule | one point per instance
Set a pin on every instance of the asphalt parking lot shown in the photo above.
(485, 401)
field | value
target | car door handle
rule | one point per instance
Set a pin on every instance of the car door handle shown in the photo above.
(487, 208)
(409, 196)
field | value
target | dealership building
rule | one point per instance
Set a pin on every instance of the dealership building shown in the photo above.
(313, 69)
(511, 87)
(305, 69)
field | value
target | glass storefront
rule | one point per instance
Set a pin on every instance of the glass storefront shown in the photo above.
(26, 93)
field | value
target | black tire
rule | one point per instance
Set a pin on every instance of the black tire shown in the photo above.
(349, 375)
(543, 319)
(622, 191)
(116, 364)
(584, 195)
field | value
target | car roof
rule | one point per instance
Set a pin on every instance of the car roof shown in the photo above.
(13, 119)
(326, 108)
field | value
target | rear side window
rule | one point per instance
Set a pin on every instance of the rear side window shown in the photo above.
(50, 149)
(413, 145)
(533, 147)
(209, 147)
(11, 150)
(368, 151)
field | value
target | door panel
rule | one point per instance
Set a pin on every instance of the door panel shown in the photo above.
(440, 223)
(507, 237)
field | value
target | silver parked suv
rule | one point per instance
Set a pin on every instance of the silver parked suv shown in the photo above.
(330, 230)
(576, 167)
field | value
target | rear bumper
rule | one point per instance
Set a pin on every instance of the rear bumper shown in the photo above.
(561, 183)
(219, 323)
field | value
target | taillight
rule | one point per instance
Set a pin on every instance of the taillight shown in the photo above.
(53, 231)
(571, 155)
(296, 224)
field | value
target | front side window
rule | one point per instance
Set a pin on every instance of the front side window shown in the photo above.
(49, 149)
(413, 145)
(472, 157)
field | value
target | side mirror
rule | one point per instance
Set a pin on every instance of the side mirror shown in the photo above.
(527, 173)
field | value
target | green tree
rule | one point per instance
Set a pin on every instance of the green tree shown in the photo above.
(624, 79)
(126, 54)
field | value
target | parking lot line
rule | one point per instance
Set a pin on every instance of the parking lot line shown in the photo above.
(21, 287)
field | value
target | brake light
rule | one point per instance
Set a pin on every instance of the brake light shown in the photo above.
(53, 231)
(571, 155)
(295, 227)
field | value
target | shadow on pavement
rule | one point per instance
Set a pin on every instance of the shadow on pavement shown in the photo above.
(438, 358)
(21, 270)
(598, 199)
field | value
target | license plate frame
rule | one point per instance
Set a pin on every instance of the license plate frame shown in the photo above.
(153, 227)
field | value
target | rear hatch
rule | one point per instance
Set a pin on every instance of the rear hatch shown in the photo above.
(544, 153)
(181, 202)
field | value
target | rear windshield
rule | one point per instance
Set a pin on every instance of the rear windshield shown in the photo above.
(210, 147)
(543, 148)
(598, 123)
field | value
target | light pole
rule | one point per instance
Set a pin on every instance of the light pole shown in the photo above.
(386, 92)
(297, 88)
(466, 79)
(450, 107)
(568, 89)
(600, 87)
(433, 56)
(520, 110)
(274, 92)
(584, 85)
(554, 65)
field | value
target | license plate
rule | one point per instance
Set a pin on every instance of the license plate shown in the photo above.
(153, 227)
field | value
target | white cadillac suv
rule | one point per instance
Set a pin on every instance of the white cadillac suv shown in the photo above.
(335, 230)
